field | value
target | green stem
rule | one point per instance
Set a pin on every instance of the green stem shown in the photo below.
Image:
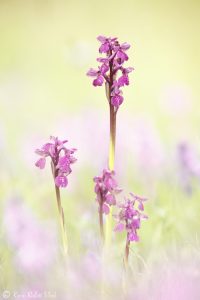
(111, 160)
(62, 220)
(111, 164)
(60, 211)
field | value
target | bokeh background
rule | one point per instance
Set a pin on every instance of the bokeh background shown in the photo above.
(46, 48)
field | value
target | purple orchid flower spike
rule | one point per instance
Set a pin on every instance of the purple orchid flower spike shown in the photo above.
(106, 189)
(61, 160)
(129, 219)
(110, 66)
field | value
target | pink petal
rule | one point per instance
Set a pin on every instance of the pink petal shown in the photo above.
(141, 206)
(132, 236)
(104, 48)
(92, 73)
(46, 147)
(119, 227)
(128, 70)
(101, 38)
(110, 199)
(125, 46)
(103, 60)
(41, 163)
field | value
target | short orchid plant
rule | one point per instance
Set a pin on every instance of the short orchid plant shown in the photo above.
(129, 219)
(61, 159)
(106, 189)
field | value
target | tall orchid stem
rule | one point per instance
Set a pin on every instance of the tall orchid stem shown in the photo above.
(61, 214)
(111, 164)
(62, 221)
(111, 160)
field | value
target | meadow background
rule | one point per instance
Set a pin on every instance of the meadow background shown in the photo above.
(46, 48)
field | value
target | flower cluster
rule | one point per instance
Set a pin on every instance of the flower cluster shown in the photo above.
(61, 159)
(130, 216)
(106, 189)
(110, 66)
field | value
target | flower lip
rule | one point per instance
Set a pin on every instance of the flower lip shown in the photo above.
(61, 181)
(41, 163)
(98, 81)
(117, 100)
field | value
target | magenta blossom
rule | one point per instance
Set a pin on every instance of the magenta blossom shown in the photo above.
(106, 189)
(109, 68)
(130, 216)
(61, 159)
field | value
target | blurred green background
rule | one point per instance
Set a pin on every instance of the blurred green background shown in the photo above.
(46, 48)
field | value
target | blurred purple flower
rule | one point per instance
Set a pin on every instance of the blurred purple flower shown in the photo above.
(148, 152)
(189, 163)
(61, 159)
(35, 243)
(176, 280)
(176, 100)
(110, 65)
(130, 216)
(188, 159)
